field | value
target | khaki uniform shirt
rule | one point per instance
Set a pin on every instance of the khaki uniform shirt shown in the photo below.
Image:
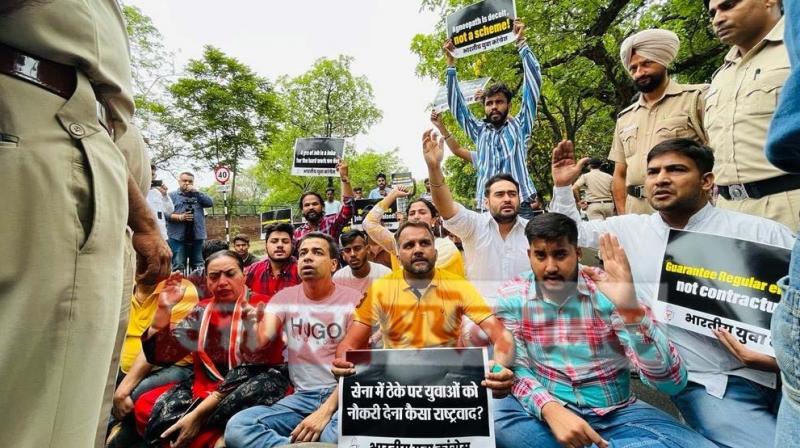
(93, 39)
(597, 184)
(679, 113)
(739, 107)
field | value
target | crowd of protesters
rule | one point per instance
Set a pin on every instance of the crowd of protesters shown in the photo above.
(232, 350)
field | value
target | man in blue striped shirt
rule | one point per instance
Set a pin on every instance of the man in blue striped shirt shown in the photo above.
(501, 140)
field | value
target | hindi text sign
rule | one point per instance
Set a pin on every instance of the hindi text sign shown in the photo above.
(416, 398)
(317, 156)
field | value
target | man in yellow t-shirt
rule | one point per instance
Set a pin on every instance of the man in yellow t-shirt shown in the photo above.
(421, 306)
(136, 375)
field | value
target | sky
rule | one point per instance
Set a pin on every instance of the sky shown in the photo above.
(285, 38)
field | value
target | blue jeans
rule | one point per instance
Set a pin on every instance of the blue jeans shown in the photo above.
(179, 254)
(635, 425)
(267, 426)
(171, 374)
(744, 418)
(785, 339)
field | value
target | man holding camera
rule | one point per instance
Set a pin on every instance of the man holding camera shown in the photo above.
(186, 226)
(159, 202)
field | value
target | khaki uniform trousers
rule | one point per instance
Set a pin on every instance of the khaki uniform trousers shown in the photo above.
(637, 206)
(600, 211)
(782, 207)
(65, 208)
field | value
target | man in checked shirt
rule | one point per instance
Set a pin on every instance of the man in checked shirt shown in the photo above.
(578, 331)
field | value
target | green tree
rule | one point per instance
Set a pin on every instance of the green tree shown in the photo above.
(326, 101)
(584, 83)
(152, 68)
(329, 101)
(224, 111)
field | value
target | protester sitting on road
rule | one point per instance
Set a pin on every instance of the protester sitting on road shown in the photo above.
(198, 276)
(231, 371)
(279, 269)
(420, 210)
(313, 208)
(578, 330)
(136, 376)
(313, 317)
(725, 377)
(241, 245)
(359, 272)
(420, 306)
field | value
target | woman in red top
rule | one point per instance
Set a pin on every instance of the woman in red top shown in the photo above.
(231, 372)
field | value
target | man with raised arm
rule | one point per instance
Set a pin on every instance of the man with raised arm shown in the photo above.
(500, 139)
(725, 377)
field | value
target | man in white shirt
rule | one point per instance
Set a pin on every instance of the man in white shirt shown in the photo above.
(359, 272)
(495, 246)
(159, 202)
(731, 396)
(332, 206)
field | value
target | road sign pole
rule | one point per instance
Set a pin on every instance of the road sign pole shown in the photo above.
(227, 218)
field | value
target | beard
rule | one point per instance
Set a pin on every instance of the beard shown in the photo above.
(498, 119)
(414, 268)
(312, 216)
(500, 218)
(649, 83)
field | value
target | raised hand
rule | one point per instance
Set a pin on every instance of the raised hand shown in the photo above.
(519, 31)
(449, 48)
(436, 120)
(342, 168)
(172, 293)
(432, 148)
(563, 166)
(616, 280)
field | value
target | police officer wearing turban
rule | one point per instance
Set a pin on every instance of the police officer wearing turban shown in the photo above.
(664, 110)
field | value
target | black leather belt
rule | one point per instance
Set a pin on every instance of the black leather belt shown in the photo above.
(636, 191)
(56, 78)
(761, 188)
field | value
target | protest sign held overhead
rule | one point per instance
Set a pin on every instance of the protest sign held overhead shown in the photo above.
(317, 156)
(416, 398)
(468, 88)
(713, 282)
(481, 26)
(363, 206)
(274, 217)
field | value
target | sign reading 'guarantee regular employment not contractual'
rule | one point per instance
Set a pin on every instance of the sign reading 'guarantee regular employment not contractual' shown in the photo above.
(713, 282)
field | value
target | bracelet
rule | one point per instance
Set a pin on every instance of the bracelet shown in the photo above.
(448, 136)
(437, 185)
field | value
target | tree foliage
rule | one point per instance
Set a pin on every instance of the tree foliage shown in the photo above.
(329, 101)
(584, 83)
(224, 110)
(152, 67)
(326, 101)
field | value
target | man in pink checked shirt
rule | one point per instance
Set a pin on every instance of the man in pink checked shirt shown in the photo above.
(577, 332)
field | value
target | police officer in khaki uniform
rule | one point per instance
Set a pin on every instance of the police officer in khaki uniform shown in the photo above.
(598, 199)
(739, 108)
(69, 192)
(664, 110)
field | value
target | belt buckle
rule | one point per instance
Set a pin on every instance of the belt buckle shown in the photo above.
(738, 192)
(640, 191)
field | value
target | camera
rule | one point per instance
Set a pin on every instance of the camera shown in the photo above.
(156, 183)
(190, 203)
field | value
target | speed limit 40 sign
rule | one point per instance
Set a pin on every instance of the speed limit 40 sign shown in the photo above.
(222, 174)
